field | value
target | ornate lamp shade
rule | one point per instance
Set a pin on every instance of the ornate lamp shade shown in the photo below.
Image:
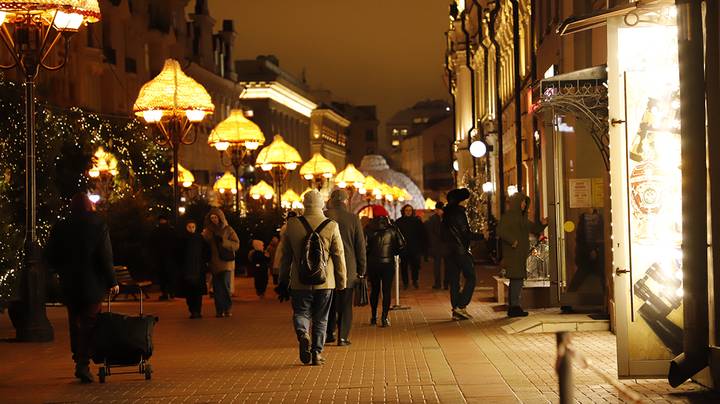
(173, 94)
(278, 153)
(64, 15)
(402, 194)
(236, 130)
(103, 162)
(387, 192)
(318, 166)
(430, 204)
(350, 176)
(291, 200)
(262, 190)
(371, 186)
(185, 177)
(225, 183)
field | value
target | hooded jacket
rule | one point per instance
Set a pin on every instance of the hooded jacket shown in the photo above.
(413, 230)
(352, 235)
(456, 229)
(292, 247)
(384, 241)
(513, 227)
(220, 234)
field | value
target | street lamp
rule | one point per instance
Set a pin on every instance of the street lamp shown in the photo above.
(238, 137)
(227, 185)
(262, 190)
(279, 158)
(174, 103)
(318, 170)
(186, 178)
(291, 200)
(350, 178)
(370, 190)
(30, 30)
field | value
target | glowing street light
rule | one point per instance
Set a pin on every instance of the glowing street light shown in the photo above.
(279, 158)
(318, 169)
(262, 190)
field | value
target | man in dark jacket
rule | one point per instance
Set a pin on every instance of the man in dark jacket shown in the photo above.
(458, 259)
(514, 231)
(384, 242)
(79, 250)
(193, 256)
(162, 249)
(436, 245)
(354, 248)
(413, 230)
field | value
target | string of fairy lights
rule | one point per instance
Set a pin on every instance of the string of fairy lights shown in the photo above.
(66, 140)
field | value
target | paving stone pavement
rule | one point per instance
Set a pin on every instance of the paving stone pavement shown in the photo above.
(252, 357)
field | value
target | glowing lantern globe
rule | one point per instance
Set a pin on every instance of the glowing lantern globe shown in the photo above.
(278, 154)
(225, 183)
(318, 167)
(350, 177)
(262, 190)
(236, 130)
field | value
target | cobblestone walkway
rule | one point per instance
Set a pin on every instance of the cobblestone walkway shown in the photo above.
(252, 357)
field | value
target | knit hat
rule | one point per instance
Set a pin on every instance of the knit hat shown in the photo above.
(313, 200)
(379, 210)
(458, 195)
(338, 197)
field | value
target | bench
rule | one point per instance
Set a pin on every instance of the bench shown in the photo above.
(128, 285)
(535, 292)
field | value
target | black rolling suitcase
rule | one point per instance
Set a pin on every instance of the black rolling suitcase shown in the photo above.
(121, 340)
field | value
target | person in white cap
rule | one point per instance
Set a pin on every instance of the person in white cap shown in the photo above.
(312, 266)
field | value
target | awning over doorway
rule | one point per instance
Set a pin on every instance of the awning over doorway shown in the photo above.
(599, 18)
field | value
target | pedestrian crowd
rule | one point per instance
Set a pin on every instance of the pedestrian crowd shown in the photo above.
(324, 262)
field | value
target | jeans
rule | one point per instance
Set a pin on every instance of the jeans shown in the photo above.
(438, 272)
(194, 303)
(455, 264)
(310, 309)
(381, 279)
(516, 286)
(81, 320)
(411, 262)
(341, 313)
(221, 288)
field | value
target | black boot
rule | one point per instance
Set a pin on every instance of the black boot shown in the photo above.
(82, 372)
(385, 321)
(304, 348)
(516, 311)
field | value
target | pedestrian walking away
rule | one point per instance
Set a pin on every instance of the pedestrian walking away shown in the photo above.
(413, 231)
(353, 239)
(223, 243)
(436, 246)
(79, 250)
(458, 258)
(271, 252)
(514, 229)
(259, 261)
(384, 243)
(312, 266)
(278, 256)
(162, 245)
(193, 255)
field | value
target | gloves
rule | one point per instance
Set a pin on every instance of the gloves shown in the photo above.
(283, 291)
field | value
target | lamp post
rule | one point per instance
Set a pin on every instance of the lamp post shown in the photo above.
(291, 200)
(262, 190)
(102, 172)
(318, 170)
(238, 137)
(351, 179)
(227, 185)
(175, 104)
(29, 31)
(278, 158)
(370, 190)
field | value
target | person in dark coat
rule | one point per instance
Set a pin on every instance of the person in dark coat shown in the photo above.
(384, 242)
(436, 246)
(162, 249)
(259, 262)
(79, 250)
(413, 231)
(458, 258)
(193, 255)
(223, 243)
(355, 264)
(514, 230)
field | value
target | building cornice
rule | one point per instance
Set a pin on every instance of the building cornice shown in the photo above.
(334, 116)
(278, 93)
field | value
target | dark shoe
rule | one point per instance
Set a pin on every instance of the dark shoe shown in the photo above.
(220, 315)
(304, 348)
(415, 284)
(516, 311)
(329, 338)
(227, 314)
(373, 320)
(385, 322)
(344, 342)
(164, 298)
(457, 314)
(195, 315)
(436, 287)
(446, 287)
(317, 359)
(463, 312)
(82, 372)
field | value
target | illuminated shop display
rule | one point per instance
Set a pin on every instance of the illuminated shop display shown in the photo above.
(648, 63)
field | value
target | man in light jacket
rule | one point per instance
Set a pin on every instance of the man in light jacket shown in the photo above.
(353, 240)
(311, 303)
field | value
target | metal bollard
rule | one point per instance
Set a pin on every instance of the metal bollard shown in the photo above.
(563, 367)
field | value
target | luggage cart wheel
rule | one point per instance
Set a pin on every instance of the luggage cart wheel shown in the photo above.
(101, 374)
(148, 371)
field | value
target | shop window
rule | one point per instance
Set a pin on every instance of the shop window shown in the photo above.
(130, 65)
(110, 56)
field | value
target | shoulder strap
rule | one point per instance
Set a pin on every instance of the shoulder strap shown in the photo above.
(305, 224)
(322, 225)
